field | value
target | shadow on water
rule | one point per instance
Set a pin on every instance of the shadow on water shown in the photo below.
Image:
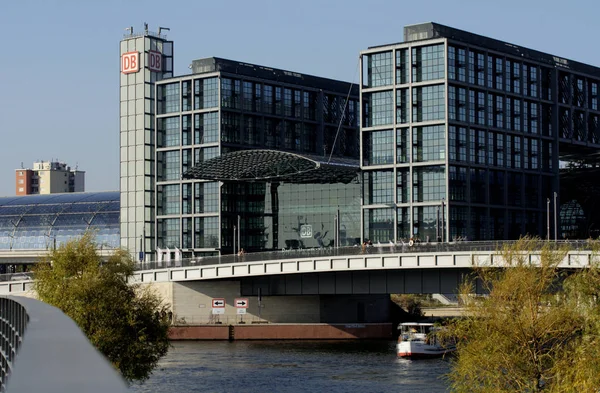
(292, 366)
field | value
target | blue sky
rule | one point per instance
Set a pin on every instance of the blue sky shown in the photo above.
(59, 68)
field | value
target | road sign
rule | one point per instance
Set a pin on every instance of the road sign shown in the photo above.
(241, 311)
(241, 303)
(218, 311)
(218, 302)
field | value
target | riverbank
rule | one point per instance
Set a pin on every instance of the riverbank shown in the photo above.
(283, 331)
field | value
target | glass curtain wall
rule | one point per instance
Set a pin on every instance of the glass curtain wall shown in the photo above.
(404, 142)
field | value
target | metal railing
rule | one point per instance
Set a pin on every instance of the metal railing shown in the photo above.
(385, 248)
(13, 321)
(43, 350)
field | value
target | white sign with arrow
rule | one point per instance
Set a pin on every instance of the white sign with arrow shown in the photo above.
(241, 303)
(218, 303)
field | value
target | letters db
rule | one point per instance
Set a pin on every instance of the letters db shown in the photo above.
(130, 62)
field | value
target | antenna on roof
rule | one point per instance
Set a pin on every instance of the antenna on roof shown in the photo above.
(145, 27)
(160, 29)
(129, 29)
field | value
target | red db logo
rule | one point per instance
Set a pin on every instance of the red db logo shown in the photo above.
(130, 62)
(155, 61)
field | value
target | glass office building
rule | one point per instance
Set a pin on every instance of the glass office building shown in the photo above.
(227, 106)
(461, 135)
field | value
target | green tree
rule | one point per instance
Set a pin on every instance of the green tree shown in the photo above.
(536, 330)
(126, 322)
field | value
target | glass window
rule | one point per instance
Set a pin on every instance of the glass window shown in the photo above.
(401, 66)
(478, 185)
(451, 62)
(230, 127)
(381, 112)
(168, 98)
(170, 165)
(170, 200)
(458, 183)
(169, 133)
(206, 232)
(403, 185)
(268, 99)
(429, 183)
(428, 63)
(402, 146)
(402, 106)
(378, 187)
(425, 221)
(379, 225)
(230, 93)
(186, 96)
(247, 98)
(206, 93)
(378, 147)
(170, 233)
(379, 69)
(206, 197)
(429, 143)
(201, 155)
(186, 130)
(428, 103)
(206, 127)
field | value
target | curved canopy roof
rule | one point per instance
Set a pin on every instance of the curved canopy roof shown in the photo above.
(35, 221)
(275, 166)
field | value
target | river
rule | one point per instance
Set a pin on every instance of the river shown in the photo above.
(292, 366)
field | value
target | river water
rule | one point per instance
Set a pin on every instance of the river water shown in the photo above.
(292, 366)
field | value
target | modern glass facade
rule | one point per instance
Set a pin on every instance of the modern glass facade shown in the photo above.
(479, 128)
(225, 106)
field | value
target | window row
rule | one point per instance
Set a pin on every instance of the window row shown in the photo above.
(428, 184)
(499, 111)
(499, 149)
(497, 72)
(425, 63)
(428, 144)
(187, 232)
(428, 104)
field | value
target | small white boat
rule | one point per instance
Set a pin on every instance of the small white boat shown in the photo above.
(420, 341)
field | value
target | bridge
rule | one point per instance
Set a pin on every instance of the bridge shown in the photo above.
(48, 345)
(326, 285)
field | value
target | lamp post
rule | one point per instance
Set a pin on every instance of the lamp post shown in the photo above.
(555, 219)
(548, 219)
(443, 218)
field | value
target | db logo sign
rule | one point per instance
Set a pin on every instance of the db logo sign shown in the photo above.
(155, 61)
(306, 230)
(130, 62)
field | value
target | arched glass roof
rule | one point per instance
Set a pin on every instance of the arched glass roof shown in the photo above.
(275, 166)
(38, 221)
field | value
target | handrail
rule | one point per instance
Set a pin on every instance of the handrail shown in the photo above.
(385, 248)
(53, 354)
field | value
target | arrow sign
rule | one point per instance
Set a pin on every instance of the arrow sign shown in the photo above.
(218, 303)
(241, 303)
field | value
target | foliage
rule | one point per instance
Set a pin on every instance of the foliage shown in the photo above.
(536, 330)
(409, 303)
(127, 323)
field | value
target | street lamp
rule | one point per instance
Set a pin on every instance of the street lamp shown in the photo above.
(548, 219)
(555, 219)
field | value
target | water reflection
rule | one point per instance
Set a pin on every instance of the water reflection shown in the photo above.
(292, 366)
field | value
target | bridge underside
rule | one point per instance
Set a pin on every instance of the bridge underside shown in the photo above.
(409, 281)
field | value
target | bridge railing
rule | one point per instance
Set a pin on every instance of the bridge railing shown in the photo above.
(43, 350)
(386, 248)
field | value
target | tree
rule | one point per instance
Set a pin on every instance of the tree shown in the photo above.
(537, 329)
(127, 323)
